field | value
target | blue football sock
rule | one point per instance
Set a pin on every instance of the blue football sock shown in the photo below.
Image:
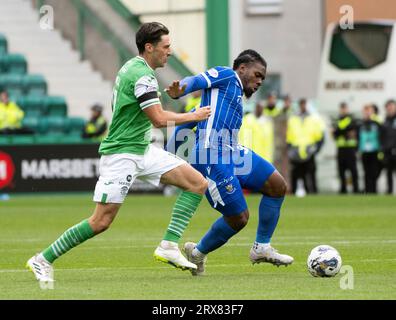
(218, 235)
(269, 212)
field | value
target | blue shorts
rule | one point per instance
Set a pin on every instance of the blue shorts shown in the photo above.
(229, 173)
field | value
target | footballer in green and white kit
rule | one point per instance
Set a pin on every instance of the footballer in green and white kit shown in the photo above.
(126, 154)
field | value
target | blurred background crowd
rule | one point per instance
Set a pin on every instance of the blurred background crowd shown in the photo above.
(291, 133)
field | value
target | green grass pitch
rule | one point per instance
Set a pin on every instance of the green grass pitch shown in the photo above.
(119, 264)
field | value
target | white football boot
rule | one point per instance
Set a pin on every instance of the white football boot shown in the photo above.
(41, 268)
(199, 261)
(170, 253)
(266, 253)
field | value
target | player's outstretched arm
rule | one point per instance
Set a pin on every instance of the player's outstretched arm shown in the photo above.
(189, 84)
(161, 118)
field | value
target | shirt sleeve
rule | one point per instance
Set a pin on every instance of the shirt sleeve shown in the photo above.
(218, 76)
(214, 77)
(146, 92)
(194, 83)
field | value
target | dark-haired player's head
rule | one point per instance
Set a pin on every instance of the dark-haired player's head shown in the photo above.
(251, 68)
(153, 43)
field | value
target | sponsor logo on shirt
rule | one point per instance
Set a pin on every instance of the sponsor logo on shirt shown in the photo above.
(124, 190)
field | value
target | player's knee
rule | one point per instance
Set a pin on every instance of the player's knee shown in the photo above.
(237, 223)
(276, 186)
(243, 221)
(278, 191)
(281, 188)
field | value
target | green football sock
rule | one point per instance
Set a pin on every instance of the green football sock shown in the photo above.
(71, 238)
(185, 207)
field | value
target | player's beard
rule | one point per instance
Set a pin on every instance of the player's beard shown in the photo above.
(248, 92)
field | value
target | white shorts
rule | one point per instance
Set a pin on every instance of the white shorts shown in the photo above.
(119, 171)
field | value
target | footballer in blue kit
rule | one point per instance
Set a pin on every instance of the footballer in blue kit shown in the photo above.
(228, 166)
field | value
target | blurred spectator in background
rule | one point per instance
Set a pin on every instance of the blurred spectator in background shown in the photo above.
(193, 101)
(11, 115)
(287, 105)
(305, 137)
(257, 133)
(369, 147)
(271, 108)
(388, 142)
(345, 135)
(375, 116)
(96, 127)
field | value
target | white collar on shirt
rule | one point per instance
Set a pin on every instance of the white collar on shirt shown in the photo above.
(239, 80)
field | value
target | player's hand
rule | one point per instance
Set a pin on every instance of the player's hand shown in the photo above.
(175, 91)
(202, 113)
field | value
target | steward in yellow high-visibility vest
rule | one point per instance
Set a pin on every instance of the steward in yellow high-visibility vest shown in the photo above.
(193, 101)
(272, 111)
(304, 136)
(96, 127)
(272, 108)
(11, 115)
(287, 107)
(257, 133)
(346, 136)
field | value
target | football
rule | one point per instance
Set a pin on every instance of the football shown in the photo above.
(324, 261)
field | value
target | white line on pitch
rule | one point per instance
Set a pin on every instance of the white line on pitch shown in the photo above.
(155, 268)
(12, 240)
(245, 244)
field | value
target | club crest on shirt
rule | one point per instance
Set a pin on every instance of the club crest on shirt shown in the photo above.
(230, 188)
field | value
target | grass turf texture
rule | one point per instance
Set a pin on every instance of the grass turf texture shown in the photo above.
(119, 264)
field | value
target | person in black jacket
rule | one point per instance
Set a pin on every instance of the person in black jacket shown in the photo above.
(388, 142)
(345, 135)
(370, 147)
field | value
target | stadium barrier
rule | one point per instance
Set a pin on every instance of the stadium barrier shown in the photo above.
(54, 168)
